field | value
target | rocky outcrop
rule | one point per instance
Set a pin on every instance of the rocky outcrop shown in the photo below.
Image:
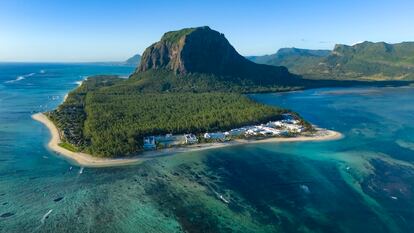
(203, 50)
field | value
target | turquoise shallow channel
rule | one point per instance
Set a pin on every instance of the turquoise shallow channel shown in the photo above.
(361, 183)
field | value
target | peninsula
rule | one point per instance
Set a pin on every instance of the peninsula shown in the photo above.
(182, 97)
(88, 160)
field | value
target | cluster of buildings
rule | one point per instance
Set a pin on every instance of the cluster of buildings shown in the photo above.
(168, 140)
(273, 128)
(289, 125)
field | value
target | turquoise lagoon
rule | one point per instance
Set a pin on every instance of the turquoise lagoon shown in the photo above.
(361, 183)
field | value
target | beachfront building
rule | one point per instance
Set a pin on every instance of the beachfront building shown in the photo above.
(288, 126)
(289, 119)
(252, 131)
(275, 124)
(236, 132)
(149, 143)
(294, 128)
(215, 136)
(267, 131)
(261, 130)
(190, 138)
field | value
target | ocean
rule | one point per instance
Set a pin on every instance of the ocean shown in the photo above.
(361, 183)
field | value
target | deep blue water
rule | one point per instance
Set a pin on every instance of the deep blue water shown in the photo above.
(361, 183)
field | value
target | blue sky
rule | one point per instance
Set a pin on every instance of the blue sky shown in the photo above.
(106, 30)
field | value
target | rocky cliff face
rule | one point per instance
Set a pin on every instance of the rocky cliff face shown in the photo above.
(203, 50)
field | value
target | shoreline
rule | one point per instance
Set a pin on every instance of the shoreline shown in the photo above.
(87, 160)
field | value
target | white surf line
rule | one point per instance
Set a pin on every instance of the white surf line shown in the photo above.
(15, 80)
(21, 77)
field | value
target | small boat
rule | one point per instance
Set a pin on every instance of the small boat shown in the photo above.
(46, 216)
(81, 170)
(223, 199)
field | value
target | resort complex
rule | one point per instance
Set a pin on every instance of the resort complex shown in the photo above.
(288, 126)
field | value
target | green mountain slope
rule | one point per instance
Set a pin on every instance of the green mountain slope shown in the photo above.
(368, 61)
(298, 61)
(365, 61)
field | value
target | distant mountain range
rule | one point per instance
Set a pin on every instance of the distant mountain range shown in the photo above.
(132, 61)
(296, 60)
(363, 61)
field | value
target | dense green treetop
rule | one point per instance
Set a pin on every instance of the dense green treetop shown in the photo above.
(109, 116)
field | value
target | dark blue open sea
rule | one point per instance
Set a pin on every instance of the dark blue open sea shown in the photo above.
(361, 183)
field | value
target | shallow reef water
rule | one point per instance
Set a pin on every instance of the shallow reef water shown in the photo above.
(361, 183)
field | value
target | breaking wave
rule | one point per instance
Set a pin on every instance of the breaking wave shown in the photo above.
(19, 78)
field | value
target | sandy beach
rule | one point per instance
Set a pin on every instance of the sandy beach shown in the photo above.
(87, 160)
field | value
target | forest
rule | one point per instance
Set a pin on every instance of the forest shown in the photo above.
(108, 117)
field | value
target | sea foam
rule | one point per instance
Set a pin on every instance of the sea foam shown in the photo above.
(19, 78)
(79, 82)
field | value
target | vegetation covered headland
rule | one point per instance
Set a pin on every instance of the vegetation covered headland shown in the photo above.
(105, 118)
(188, 88)
(72, 154)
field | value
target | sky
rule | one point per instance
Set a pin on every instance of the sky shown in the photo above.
(113, 30)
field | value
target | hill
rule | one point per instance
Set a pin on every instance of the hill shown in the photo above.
(134, 60)
(205, 51)
(368, 61)
(298, 61)
(191, 81)
(365, 61)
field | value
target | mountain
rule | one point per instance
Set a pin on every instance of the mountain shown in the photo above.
(134, 60)
(191, 81)
(368, 61)
(202, 50)
(296, 60)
